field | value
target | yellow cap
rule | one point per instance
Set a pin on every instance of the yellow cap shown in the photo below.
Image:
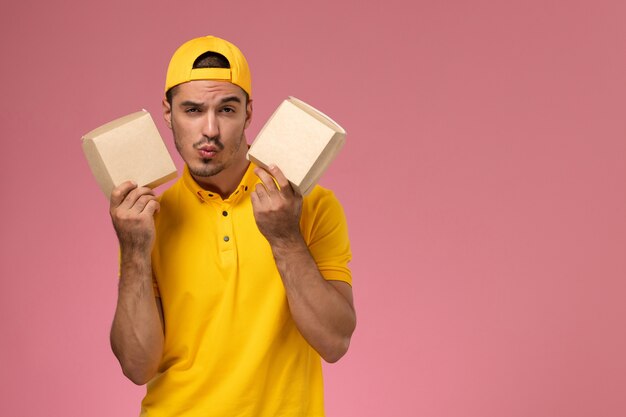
(181, 68)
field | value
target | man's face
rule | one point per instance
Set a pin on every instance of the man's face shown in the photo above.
(208, 119)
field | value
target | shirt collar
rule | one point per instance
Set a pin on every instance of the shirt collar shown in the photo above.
(246, 185)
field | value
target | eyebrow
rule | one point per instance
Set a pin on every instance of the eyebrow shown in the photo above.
(230, 98)
(222, 101)
(191, 103)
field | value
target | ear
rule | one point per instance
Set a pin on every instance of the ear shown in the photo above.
(167, 112)
(248, 113)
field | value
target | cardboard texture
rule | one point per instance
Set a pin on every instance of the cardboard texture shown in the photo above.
(128, 148)
(301, 141)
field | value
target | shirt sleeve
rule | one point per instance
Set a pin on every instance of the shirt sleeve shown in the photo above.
(325, 230)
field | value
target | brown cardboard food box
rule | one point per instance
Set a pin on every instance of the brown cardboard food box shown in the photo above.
(301, 141)
(128, 148)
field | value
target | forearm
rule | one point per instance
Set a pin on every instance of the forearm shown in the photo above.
(324, 316)
(137, 332)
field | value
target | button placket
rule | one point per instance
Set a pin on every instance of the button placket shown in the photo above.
(226, 228)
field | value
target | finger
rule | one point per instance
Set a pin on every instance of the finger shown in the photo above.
(120, 192)
(136, 194)
(283, 182)
(142, 202)
(261, 194)
(266, 179)
(255, 200)
(152, 207)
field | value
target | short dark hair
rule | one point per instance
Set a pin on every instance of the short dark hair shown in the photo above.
(206, 60)
(211, 60)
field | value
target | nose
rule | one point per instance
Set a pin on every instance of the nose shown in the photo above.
(211, 128)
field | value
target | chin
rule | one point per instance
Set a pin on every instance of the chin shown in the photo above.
(205, 169)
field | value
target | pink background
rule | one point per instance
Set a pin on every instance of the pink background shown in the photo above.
(484, 180)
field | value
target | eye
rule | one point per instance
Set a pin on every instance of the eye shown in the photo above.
(192, 110)
(228, 110)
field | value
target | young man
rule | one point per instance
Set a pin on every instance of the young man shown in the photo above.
(231, 287)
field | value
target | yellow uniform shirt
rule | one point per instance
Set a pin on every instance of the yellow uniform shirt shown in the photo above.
(231, 346)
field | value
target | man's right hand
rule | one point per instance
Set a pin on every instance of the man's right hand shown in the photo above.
(132, 211)
(137, 330)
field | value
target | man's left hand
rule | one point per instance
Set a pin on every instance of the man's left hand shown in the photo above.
(276, 208)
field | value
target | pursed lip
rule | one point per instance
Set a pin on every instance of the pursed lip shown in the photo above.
(207, 151)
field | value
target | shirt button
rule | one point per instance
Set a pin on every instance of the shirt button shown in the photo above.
(226, 238)
(224, 213)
